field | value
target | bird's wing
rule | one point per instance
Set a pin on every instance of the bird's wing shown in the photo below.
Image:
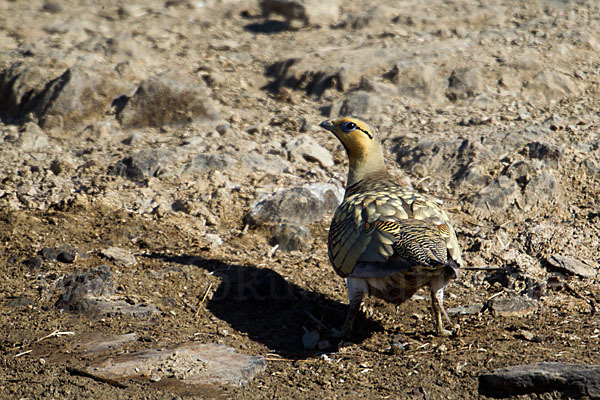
(369, 229)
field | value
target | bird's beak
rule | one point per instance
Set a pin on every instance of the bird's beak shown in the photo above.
(327, 124)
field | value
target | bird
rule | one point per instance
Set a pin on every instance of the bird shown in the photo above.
(385, 239)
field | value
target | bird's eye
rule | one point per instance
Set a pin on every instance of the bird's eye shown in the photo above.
(348, 126)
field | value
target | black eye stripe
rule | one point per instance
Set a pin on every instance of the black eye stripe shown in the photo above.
(365, 132)
(350, 126)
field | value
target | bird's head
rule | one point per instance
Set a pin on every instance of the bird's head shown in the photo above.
(362, 145)
(357, 137)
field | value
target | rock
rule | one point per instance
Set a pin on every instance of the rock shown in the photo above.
(310, 340)
(80, 95)
(446, 159)
(571, 266)
(397, 347)
(310, 12)
(21, 82)
(213, 240)
(191, 363)
(203, 163)
(418, 82)
(34, 263)
(548, 86)
(529, 61)
(466, 310)
(510, 82)
(146, 164)
(65, 253)
(541, 188)
(119, 255)
(85, 284)
(517, 306)
(90, 291)
(345, 69)
(497, 196)
(305, 147)
(538, 185)
(544, 151)
(572, 380)
(97, 343)
(357, 102)
(299, 205)
(373, 17)
(52, 7)
(291, 237)
(265, 162)
(464, 83)
(32, 138)
(168, 99)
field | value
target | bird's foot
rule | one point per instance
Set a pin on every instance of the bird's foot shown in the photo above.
(444, 332)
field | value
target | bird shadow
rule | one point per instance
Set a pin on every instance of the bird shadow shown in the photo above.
(273, 311)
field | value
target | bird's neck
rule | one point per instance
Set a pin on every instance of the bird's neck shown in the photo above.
(366, 164)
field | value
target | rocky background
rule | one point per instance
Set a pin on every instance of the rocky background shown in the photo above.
(165, 194)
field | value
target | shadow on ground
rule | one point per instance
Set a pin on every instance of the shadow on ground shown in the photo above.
(267, 27)
(271, 310)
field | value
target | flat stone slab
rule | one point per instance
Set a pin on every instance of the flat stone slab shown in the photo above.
(95, 344)
(571, 266)
(517, 306)
(119, 255)
(573, 380)
(191, 363)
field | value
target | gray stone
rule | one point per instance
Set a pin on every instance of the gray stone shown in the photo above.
(145, 164)
(265, 162)
(91, 291)
(374, 17)
(22, 82)
(447, 159)
(299, 205)
(64, 253)
(334, 68)
(419, 82)
(168, 99)
(544, 151)
(85, 284)
(77, 97)
(464, 83)
(357, 102)
(32, 138)
(572, 380)
(191, 363)
(542, 188)
(517, 306)
(547, 86)
(466, 310)
(313, 12)
(119, 255)
(305, 147)
(571, 266)
(291, 237)
(34, 263)
(98, 343)
(213, 240)
(498, 195)
(207, 162)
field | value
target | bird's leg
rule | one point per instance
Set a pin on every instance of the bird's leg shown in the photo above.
(356, 290)
(437, 306)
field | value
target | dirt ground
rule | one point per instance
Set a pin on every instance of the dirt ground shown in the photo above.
(241, 291)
